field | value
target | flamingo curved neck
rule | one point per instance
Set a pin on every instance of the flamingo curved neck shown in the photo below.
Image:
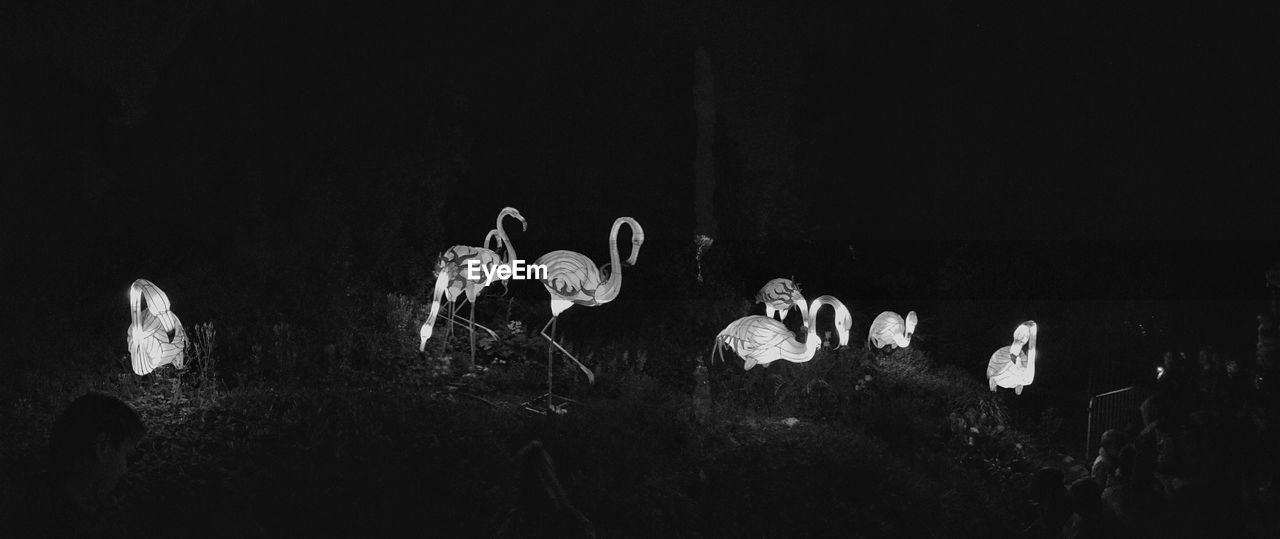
(1031, 356)
(612, 284)
(811, 342)
(502, 235)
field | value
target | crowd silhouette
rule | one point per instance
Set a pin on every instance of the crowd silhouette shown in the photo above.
(1199, 464)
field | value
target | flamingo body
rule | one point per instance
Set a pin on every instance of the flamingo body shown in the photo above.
(571, 277)
(780, 296)
(455, 261)
(762, 340)
(890, 329)
(156, 336)
(1012, 366)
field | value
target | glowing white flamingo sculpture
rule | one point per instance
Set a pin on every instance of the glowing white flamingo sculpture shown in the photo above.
(573, 279)
(495, 237)
(452, 279)
(155, 335)
(889, 329)
(1011, 366)
(761, 340)
(780, 296)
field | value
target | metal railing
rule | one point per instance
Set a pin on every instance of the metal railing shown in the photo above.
(1119, 409)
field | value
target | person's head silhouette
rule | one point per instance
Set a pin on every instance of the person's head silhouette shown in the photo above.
(90, 443)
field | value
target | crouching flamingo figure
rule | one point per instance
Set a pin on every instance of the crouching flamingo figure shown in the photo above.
(454, 277)
(761, 340)
(155, 335)
(1011, 366)
(573, 279)
(780, 296)
(889, 329)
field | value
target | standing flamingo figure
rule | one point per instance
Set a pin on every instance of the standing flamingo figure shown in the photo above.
(780, 296)
(452, 279)
(889, 329)
(761, 340)
(1011, 366)
(573, 279)
(155, 335)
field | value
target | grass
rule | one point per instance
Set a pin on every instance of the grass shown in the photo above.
(364, 436)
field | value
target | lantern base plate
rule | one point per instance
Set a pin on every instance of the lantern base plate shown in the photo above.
(546, 402)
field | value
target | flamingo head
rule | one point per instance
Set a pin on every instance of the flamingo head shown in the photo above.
(844, 322)
(637, 239)
(1021, 335)
(136, 335)
(911, 324)
(424, 334)
(493, 238)
(524, 225)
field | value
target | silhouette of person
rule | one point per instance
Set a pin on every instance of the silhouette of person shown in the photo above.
(1053, 508)
(89, 447)
(1104, 466)
(1092, 518)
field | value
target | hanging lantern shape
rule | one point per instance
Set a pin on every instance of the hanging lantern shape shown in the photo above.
(1014, 366)
(761, 340)
(889, 329)
(780, 296)
(155, 335)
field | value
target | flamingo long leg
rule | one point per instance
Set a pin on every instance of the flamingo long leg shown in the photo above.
(591, 377)
(472, 329)
(491, 333)
(550, 360)
(444, 346)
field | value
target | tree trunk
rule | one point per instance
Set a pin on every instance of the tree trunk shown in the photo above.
(704, 165)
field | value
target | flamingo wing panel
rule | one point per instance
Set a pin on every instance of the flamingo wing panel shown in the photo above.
(1004, 369)
(760, 338)
(780, 294)
(456, 261)
(571, 276)
(884, 328)
(151, 347)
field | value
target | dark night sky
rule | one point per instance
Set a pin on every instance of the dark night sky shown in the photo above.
(276, 138)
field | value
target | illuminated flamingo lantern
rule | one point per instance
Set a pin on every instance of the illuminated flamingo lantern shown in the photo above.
(155, 336)
(1012, 366)
(452, 279)
(889, 329)
(780, 296)
(494, 237)
(573, 279)
(761, 340)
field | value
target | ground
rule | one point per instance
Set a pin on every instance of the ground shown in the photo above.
(845, 443)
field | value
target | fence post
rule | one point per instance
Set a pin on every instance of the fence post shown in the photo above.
(1088, 432)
